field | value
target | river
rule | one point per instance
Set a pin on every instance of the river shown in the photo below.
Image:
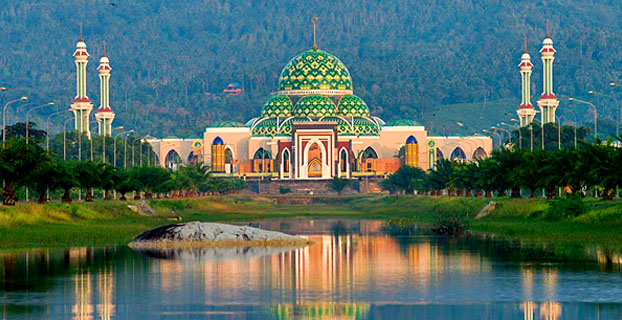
(354, 270)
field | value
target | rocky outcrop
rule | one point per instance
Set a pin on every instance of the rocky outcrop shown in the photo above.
(205, 234)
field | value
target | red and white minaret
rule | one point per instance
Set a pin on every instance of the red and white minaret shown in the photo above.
(526, 112)
(548, 102)
(81, 105)
(104, 114)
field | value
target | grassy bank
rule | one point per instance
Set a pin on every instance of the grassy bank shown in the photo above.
(112, 222)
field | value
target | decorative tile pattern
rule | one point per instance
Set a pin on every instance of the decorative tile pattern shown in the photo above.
(353, 106)
(315, 106)
(315, 70)
(277, 106)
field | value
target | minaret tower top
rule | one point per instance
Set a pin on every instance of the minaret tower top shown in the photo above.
(104, 114)
(526, 111)
(81, 105)
(548, 101)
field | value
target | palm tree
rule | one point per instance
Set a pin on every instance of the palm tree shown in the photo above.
(17, 161)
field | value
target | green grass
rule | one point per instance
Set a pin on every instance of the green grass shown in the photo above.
(103, 223)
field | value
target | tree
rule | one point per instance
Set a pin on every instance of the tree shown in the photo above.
(339, 184)
(18, 130)
(17, 161)
(66, 179)
(406, 178)
(125, 183)
(89, 176)
(45, 178)
(109, 178)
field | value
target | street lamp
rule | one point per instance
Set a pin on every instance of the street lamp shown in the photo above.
(498, 136)
(134, 150)
(4, 116)
(65, 138)
(28, 115)
(503, 130)
(520, 137)
(594, 112)
(617, 109)
(92, 136)
(114, 145)
(48, 125)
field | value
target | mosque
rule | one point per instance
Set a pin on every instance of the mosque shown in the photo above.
(315, 127)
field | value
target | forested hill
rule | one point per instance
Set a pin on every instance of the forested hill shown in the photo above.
(171, 59)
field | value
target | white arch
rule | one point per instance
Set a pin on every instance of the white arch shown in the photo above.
(304, 168)
(343, 149)
(282, 163)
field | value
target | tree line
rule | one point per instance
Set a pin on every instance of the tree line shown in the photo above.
(28, 165)
(574, 171)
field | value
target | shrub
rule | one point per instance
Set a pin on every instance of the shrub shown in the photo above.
(284, 190)
(449, 226)
(567, 208)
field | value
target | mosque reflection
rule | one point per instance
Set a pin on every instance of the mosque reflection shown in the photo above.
(354, 270)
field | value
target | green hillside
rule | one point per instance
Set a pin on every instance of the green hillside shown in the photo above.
(409, 59)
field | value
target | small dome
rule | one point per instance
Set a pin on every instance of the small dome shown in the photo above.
(217, 141)
(315, 106)
(411, 140)
(266, 127)
(365, 127)
(353, 106)
(226, 124)
(277, 106)
(286, 127)
(315, 70)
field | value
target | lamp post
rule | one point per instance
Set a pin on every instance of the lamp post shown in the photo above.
(28, 116)
(594, 112)
(4, 116)
(497, 127)
(114, 145)
(65, 138)
(48, 126)
(92, 136)
(134, 150)
(493, 132)
(515, 127)
(617, 108)
(148, 149)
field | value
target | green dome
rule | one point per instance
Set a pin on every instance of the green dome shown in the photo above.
(229, 124)
(353, 106)
(365, 127)
(403, 122)
(343, 126)
(317, 71)
(286, 127)
(315, 106)
(277, 106)
(265, 128)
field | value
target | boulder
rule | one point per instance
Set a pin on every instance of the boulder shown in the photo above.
(206, 234)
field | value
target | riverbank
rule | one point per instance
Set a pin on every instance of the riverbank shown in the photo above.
(112, 222)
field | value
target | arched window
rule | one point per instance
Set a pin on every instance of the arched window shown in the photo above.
(411, 152)
(218, 155)
(479, 153)
(228, 160)
(458, 154)
(193, 158)
(285, 161)
(439, 154)
(343, 161)
(369, 160)
(172, 160)
(262, 161)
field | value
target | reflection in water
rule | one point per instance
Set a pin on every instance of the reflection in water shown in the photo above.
(352, 271)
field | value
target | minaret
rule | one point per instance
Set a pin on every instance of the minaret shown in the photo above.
(104, 114)
(81, 105)
(548, 101)
(526, 111)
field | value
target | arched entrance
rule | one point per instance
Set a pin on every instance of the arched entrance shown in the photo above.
(172, 160)
(458, 154)
(262, 161)
(315, 161)
(479, 153)
(369, 160)
(285, 164)
(193, 158)
(228, 160)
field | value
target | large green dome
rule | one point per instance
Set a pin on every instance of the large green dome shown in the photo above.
(353, 106)
(315, 106)
(277, 106)
(315, 71)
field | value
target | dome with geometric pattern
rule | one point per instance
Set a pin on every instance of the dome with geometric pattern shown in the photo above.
(315, 106)
(266, 127)
(365, 127)
(352, 106)
(277, 106)
(315, 71)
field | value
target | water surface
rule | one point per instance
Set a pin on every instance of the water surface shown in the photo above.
(354, 270)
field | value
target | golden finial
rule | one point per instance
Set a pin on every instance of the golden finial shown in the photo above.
(548, 34)
(81, 36)
(314, 21)
(104, 49)
(525, 43)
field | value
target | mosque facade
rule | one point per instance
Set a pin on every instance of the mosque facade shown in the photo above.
(315, 127)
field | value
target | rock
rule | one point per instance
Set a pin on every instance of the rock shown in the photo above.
(205, 234)
(145, 209)
(486, 210)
